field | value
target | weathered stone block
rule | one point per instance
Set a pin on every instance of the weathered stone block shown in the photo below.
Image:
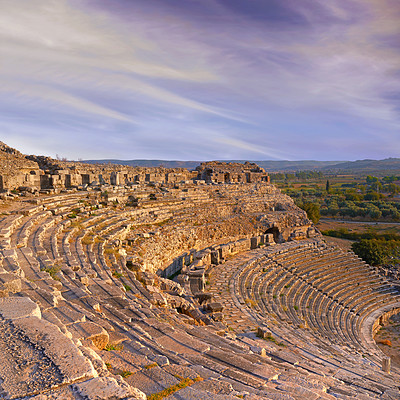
(263, 333)
(89, 330)
(215, 307)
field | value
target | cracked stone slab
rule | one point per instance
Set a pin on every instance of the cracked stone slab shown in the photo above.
(18, 307)
(25, 368)
(57, 347)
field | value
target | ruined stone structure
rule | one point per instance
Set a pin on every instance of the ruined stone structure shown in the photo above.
(260, 306)
(220, 172)
(16, 170)
(35, 173)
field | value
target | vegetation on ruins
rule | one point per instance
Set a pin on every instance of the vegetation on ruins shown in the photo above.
(52, 271)
(127, 287)
(125, 374)
(373, 248)
(152, 365)
(184, 382)
(378, 252)
(112, 347)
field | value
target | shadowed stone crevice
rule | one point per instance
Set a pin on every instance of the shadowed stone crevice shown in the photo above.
(276, 232)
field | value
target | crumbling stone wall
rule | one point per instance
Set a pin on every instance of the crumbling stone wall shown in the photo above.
(224, 214)
(33, 173)
(221, 172)
(40, 172)
(16, 171)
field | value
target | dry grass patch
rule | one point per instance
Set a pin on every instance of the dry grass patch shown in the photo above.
(185, 382)
(152, 365)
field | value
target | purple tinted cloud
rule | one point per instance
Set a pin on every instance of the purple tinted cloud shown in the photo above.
(201, 79)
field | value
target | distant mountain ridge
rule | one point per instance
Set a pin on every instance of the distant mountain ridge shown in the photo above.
(367, 165)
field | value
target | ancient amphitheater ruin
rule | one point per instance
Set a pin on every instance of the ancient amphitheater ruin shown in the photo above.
(133, 283)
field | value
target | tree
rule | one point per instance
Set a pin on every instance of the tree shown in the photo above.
(371, 179)
(376, 186)
(371, 251)
(373, 196)
(393, 189)
(352, 195)
(327, 186)
(312, 210)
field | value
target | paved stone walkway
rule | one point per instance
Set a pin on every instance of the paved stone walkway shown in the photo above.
(221, 286)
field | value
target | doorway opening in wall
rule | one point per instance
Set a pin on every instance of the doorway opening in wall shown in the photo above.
(275, 231)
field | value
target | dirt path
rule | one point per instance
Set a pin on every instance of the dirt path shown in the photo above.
(388, 339)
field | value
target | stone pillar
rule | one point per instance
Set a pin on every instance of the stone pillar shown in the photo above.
(255, 241)
(263, 333)
(114, 178)
(386, 364)
(263, 352)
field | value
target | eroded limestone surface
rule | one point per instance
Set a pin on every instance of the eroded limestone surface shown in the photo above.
(18, 307)
(25, 368)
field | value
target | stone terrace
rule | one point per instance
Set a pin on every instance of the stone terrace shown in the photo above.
(87, 313)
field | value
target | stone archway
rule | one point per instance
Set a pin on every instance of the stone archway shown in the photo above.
(276, 232)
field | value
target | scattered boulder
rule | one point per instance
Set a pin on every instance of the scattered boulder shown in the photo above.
(90, 331)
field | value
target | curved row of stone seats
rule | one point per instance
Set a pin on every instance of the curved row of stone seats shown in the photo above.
(75, 254)
(321, 322)
(23, 232)
(62, 315)
(175, 344)
(7, 226)
(108, 232)
(56, 199)
(276, 291)
(301, 337)
(127, 311)
(35, 218)
(286, 282)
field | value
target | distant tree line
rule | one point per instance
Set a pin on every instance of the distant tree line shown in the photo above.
(375, 210)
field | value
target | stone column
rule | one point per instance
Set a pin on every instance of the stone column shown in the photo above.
(386, 364)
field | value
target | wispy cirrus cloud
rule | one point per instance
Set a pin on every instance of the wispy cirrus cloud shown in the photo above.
(277, 79)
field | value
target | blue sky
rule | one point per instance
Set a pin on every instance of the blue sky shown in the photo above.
(201, 79)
